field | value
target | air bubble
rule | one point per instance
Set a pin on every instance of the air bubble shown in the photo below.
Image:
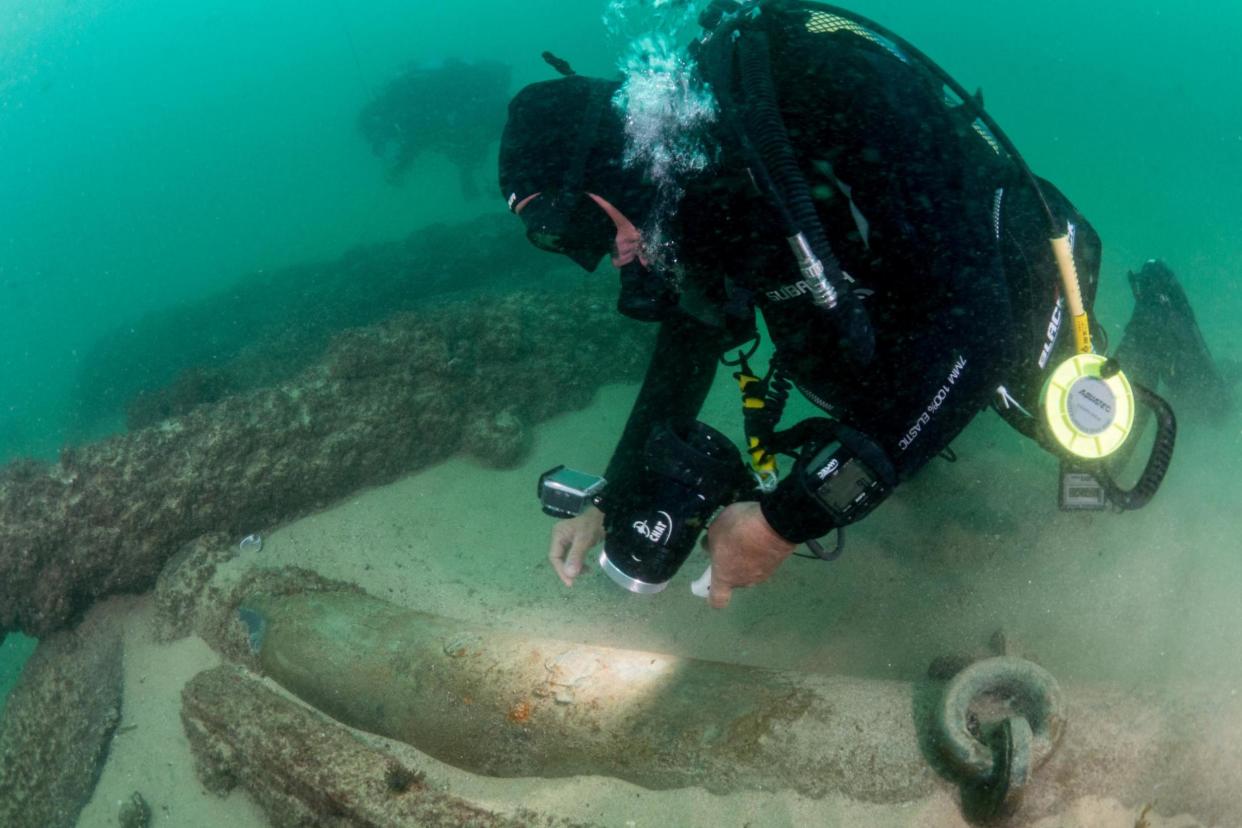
(667, 109)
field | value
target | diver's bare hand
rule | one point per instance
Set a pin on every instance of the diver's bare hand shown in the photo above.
(745, 551)
(572, 539)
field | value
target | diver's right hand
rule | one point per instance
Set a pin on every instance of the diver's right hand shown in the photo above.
(572, 539)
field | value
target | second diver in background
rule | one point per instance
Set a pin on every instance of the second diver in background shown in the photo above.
(456, 109)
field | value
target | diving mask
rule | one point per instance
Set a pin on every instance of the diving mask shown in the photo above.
(582, 226)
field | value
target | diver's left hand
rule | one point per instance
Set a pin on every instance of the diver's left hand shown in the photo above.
(745, 551)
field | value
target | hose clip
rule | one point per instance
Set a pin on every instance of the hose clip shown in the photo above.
(822, 292)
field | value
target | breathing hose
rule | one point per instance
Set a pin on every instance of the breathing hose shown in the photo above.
(766, 128)
(1058, 235)
(775, 168)
(763, 405)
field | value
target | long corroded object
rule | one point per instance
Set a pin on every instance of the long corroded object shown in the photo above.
(508, 705)
(304, 771)
(468, 376)
(503, 705)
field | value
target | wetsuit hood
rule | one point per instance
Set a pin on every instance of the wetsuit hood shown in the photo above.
(563, 140)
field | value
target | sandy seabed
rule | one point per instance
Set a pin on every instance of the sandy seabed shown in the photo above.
(967, 548)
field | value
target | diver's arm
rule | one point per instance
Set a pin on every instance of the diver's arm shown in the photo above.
(677, 382)
(844, 475)
(678, 379)
(745, 551)
(941, 378)
(571, 540)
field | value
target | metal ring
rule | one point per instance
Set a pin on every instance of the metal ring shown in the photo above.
(1026, 689)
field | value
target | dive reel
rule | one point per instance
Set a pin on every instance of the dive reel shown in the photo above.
(1088, 406)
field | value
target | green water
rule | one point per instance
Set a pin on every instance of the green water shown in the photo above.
(153, 153)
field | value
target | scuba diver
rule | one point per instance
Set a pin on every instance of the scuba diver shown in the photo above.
(455, 109)
(910, 270)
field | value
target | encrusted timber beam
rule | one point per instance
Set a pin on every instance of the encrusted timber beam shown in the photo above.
(58, 724)
(385, 401)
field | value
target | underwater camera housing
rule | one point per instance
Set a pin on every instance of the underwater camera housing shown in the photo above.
(689, 471)
(566, 493)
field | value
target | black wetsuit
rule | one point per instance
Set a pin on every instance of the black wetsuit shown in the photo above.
(934, 223)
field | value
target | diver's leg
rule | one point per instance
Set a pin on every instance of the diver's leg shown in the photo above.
(1163, 344)
(1143, 349)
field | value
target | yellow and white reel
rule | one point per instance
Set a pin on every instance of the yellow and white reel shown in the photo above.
(1088, 409)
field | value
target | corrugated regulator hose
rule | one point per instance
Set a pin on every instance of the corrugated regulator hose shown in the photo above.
(766, 130)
